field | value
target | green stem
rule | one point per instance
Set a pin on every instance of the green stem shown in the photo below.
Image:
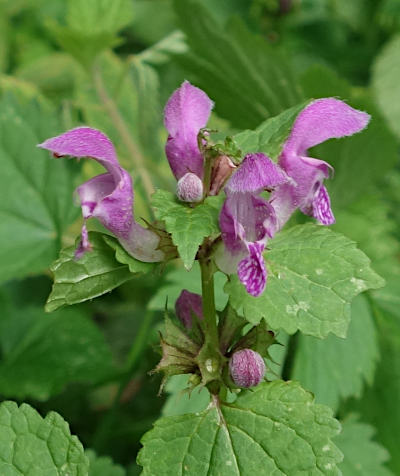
(207, 287)
(104, 430)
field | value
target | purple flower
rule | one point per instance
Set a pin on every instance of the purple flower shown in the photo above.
(108, 197)
(321, 120)
(248, 220)
(247, 368)
(187, 305)
(186, 112)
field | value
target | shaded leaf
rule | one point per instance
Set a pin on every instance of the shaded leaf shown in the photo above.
(31, 445)
(385, 83)
(36, 205)
(43, 353)
(379, 404)
(103, 465)
(335, 368)
(362, 455)
(248, 79)
(92, 27)
(96, 273)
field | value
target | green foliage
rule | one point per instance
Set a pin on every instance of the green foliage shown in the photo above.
(188, 225)
(180, 401)
(130, 91)
(122, 256)
(362, 456)
(335, 368)
(248, 79)
(313, 276)
(96, 273)
(41, 354)
(103, 466)
(269, 136)
(92, 27)
(36, 205)
(53, 74)
(378, 241)
(276, 427)
(385, 83)
(31, 445)
(377, 405)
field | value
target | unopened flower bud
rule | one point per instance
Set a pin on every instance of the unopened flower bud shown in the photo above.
(221, 171)
(186, 305)
(189, 188)
(247, 368)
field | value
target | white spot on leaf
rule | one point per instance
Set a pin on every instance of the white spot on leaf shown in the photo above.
(359, 284)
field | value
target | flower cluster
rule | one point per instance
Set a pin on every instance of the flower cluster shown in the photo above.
(248, 219)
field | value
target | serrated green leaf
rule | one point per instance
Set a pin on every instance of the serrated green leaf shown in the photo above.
(314, 274)
(362, 455)
(43, 353)
(269, 136)
(335, 368)
(36, 205)
(103, 465)
(385, 83)
(276, 427)
(187, 225)
(32, 445)
(122, 256)
(248, 79)
(96, 273)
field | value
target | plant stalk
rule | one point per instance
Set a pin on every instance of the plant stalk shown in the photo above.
(209, 314)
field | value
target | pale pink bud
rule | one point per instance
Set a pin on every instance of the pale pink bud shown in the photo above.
(247, 368)
(187, 305)
(222, 170)
(189, 188)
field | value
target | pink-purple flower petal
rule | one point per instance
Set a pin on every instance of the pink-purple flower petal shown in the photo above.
(321, 120)
(186, 112)
(252, 271)
(109, 196)
(322, 207)
(256, 172)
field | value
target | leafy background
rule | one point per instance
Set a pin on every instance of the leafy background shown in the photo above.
(112, 65)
